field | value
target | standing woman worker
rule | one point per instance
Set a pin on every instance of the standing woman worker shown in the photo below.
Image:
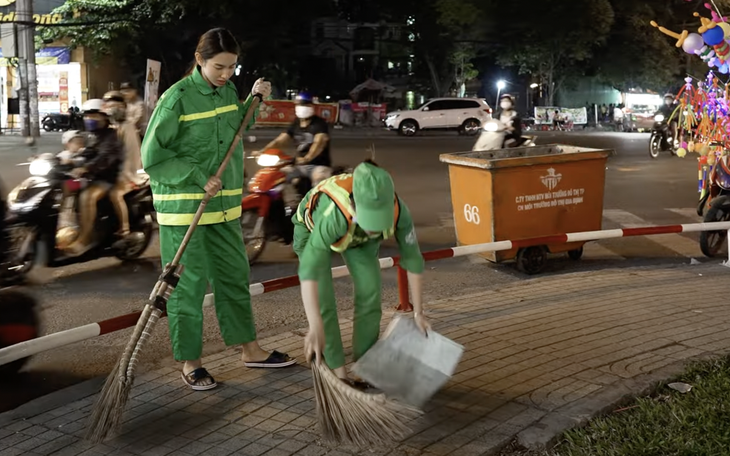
(188, 136)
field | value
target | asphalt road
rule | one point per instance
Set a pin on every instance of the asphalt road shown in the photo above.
(639, 190)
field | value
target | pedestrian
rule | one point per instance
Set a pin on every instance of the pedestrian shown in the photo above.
(352, 214)
(189, 133)
(136, 109)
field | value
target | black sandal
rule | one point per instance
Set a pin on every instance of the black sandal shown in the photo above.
(275, 360)
(196, 376)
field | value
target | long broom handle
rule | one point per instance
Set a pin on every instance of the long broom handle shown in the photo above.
(201, 209)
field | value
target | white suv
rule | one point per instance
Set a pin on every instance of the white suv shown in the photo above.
(465, 114)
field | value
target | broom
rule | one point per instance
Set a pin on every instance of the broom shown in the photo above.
(347, 415)
(107, 413)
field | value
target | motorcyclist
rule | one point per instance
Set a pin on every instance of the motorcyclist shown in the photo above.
(101, 161)
(116, 107)
(667, 109)
(510, 120)
(310, 134)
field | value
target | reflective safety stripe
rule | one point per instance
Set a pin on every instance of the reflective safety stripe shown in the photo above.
(208, 218)
(195, 196)
(208, 114)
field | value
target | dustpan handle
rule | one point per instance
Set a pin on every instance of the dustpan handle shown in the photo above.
(257, 99)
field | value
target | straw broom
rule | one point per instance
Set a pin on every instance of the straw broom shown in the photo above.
(109, 408)
(347, 415)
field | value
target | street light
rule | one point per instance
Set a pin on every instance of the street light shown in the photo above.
(500, 85)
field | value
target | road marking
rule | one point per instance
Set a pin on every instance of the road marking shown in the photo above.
(675, 242)
(688, 212)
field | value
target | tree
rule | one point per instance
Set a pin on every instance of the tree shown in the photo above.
(270, 36)
(638, 55)
(550, 39)
(464, 26)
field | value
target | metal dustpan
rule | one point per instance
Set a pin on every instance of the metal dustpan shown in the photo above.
(406, 365)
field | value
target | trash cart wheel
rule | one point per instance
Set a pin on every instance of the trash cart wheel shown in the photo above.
(532, 260)
(576, 254)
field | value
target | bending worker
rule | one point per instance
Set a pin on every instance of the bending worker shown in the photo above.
(352, 214)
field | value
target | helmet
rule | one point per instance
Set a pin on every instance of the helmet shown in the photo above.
(114, 95)
(70, 135)
(669, 95)
(508, 96)
(94, 105)
(304, 98)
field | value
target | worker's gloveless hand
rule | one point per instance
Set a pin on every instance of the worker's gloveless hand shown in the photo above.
(314, 344)
(213, 186)
(422, 324)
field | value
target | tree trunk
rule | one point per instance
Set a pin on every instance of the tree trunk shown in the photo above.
(435, 78)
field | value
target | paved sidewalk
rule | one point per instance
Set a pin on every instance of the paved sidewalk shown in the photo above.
(541, 356)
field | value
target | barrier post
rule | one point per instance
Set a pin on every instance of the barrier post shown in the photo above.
(404, 296)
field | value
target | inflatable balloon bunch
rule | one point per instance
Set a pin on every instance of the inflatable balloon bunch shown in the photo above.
(711, 43)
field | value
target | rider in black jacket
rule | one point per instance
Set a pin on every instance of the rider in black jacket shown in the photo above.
(668, 109)
(102, 160)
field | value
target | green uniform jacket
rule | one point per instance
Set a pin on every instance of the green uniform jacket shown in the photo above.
(330, 225)
(188, 136)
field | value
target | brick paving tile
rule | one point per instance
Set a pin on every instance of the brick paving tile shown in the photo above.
(530, 352)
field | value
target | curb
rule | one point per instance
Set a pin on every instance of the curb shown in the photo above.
(544, 434)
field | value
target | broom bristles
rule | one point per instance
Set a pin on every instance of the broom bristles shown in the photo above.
(346, 415)
(109, 407)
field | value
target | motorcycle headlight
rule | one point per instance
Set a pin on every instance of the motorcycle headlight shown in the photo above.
(491, 126)
(40, 167)
(658, 118)
(266, 160)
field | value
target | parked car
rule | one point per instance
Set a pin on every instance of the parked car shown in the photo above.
(467, 115)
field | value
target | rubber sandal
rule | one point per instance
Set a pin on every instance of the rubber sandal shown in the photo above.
(197, 375)
(275, 361)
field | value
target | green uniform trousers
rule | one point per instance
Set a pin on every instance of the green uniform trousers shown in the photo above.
(364, 266)
(215, 255)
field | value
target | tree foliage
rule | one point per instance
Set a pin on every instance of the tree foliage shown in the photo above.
(270, 36)
(551, 40)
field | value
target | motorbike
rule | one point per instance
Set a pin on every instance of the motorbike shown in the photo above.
(19, 320)
(492, 137)
(265, 216)
(63, 122)
(34, 236)
(661, 137)
(715, 196)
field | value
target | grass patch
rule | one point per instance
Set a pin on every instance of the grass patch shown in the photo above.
(668, 423)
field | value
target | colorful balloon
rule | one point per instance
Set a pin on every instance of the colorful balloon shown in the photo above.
(725, 28)
(693, 43)
(714, 36)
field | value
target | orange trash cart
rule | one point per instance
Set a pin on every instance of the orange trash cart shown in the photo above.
(520, 193)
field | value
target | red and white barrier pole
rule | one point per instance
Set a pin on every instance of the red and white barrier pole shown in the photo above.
(60, 339)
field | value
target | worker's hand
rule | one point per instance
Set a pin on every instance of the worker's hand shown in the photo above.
(255, 153)
(302, 160)
(422, 323)
(213, 186)
(261, 87)
(314, 343)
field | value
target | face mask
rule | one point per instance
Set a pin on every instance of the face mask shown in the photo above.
(505, 105)
(304, 112)
(92, 124)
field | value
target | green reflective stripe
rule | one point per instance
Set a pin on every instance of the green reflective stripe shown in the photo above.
(194, 196)
(208, 218)
(208, 114)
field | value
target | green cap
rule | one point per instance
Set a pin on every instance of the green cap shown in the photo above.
(374, 194)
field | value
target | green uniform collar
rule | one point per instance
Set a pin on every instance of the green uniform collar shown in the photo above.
(202, 85)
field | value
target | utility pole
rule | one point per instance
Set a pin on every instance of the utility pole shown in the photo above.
(30, 122)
